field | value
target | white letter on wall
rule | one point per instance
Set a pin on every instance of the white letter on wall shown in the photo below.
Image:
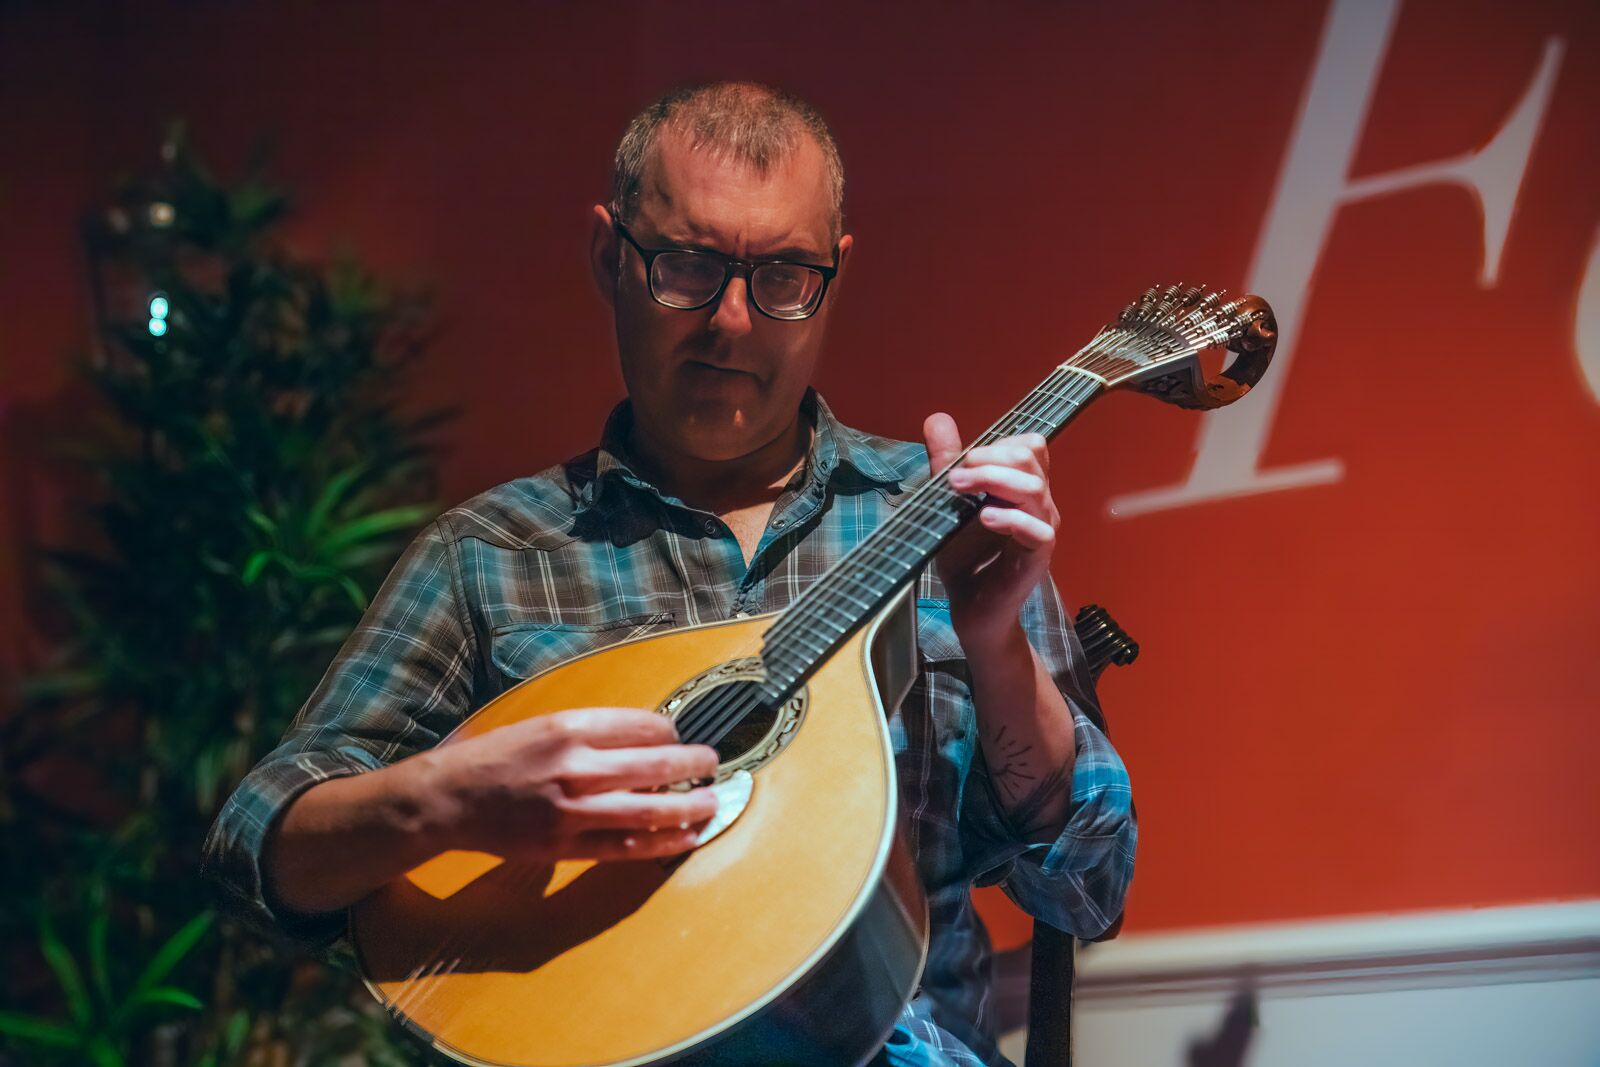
(1312, 188)
(1586, 323)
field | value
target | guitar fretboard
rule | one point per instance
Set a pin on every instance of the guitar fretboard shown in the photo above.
(856, 588)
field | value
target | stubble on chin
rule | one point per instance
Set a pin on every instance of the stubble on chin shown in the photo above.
(718, 432)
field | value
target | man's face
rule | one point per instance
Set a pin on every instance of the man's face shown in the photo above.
(720, 381)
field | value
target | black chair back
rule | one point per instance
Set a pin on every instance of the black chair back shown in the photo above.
(1054, 953)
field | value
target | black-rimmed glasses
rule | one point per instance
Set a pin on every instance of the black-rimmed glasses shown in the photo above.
(687, 279)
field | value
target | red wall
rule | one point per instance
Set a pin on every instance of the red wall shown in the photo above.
(1371, 694)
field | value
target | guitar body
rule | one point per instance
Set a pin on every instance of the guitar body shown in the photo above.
(793, 936)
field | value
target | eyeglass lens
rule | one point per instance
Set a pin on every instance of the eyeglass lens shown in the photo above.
(690, 279)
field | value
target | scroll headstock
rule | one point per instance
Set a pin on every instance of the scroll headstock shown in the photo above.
(1155, 343)
(1104, 641)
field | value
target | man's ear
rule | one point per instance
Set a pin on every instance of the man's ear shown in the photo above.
(846, 242)
(603, 250)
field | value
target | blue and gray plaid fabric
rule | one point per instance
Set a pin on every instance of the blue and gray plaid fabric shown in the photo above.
(587, 553)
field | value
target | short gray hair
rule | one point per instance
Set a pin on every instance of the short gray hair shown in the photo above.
(745, 121)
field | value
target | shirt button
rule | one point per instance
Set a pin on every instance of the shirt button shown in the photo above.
(780, 524)
(741, 614)
(711, 526)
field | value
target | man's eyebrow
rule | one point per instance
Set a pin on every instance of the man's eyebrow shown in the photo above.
(808, 255)
(795, 252)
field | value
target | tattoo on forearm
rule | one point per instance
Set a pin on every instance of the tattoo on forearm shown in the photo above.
(1012, 772)
(1028, 796)
(1034, 812)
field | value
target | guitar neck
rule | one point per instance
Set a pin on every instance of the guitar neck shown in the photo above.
(852, 592)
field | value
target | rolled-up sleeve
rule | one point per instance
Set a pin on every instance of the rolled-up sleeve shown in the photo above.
(400, 682)
(1077, 879)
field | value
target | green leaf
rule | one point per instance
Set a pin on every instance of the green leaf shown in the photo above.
(355, 559)
(215, 565)
(254, 205)
(330, 496)
(99, 939)
(165, 995)
(387, 521)
(105, 1054)
(261, 521)
(231, 1039)
(67, 974)
(358, 596)
(59, 684)
(205, 778)
(255, 565)
(39, 1031)
(238, 1029)
(171, 954)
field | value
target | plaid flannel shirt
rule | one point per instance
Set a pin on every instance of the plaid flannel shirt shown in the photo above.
(587, 553)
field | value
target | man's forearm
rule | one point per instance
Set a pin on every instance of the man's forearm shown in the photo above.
(1026, 729)
(345, 837)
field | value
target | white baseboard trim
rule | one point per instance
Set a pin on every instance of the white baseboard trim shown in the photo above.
(1428, 949)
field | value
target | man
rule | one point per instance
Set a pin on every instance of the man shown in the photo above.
(722, 486)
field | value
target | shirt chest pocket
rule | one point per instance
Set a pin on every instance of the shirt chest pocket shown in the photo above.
(521, 650)
(951, 723)
(936, 636)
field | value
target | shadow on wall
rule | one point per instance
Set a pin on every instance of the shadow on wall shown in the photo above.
(1230, 1043)
(1227, 1046)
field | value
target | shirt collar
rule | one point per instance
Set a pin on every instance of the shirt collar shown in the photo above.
(843, 446)
(834, 447)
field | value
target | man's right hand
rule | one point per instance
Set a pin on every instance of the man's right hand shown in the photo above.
(564, 786)
(557, 786)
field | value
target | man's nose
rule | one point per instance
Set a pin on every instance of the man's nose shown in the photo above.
(732, 315)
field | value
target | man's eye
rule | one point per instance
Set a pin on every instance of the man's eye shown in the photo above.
(786, 287)
(690, 268)
(782, 274)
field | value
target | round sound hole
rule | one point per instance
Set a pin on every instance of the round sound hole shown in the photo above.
(727, 701)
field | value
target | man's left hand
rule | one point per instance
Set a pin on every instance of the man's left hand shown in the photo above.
(991, 566)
